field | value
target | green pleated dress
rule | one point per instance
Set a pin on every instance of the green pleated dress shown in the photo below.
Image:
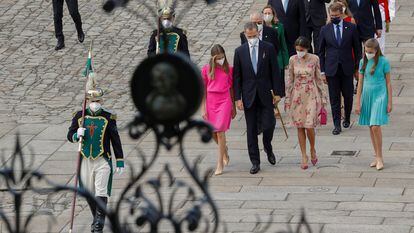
(374, 98)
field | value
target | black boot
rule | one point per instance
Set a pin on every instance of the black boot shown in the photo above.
(60, 44)
(100, 216)
(92, 207)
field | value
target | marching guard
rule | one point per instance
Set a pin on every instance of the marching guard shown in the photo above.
(177, 38)
(96, 169)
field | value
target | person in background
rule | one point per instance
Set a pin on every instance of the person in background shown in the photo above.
(374, 96)
(368, 18)
(387, 8)
(177, 38)
(256, 74)
(219, 108)
(291, 14)
(271, 20)
(305, 96)
(315, 19)
(57, 19)
(338, 41)
(347, 14)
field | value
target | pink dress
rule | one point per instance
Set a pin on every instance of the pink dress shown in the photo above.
(218, 99)
(305, 91)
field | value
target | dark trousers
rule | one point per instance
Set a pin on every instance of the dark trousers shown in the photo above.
(58, 15)
(313, 36)
(340, 84)
(254, 115)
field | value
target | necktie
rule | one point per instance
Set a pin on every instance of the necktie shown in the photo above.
(254, 59)
(285, 6)
(338, 34)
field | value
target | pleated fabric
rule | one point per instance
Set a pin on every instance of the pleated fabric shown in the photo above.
(374, 98)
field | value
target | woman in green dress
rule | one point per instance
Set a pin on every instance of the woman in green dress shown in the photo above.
(374, 96)
(271, 20)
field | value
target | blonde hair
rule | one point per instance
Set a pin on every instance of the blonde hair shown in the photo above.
(372, 43)
(216, 50)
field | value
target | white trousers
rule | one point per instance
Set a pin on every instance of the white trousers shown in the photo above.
(95, 176)
(381, 40)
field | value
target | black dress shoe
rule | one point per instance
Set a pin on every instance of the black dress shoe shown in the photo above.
(336, 131)
(81, 37)
(271, 158)
(346, 124)
(255, 169)
(60, 45)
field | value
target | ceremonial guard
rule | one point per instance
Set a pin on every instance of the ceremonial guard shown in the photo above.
(177, 39)
(98, 132)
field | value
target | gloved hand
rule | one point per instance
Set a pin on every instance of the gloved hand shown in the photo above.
(81, 132)
(119, 170)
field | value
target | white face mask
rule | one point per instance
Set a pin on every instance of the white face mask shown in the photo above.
(166, 23)
(94, 106)
(301, 53)
(370, 55)
(220, 61)
(268, 18)
(259, 27)
(253, 41)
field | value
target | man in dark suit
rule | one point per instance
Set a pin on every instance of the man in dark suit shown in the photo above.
(337, 40)
(256, 74)
(291, 14)
(267, 34)
(368, 23)
(315, 19)
(57, 19)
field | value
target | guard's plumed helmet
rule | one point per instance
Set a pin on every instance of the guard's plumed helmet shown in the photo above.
(166, 8)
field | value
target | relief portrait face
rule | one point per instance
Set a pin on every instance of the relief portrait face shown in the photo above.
(164, 78)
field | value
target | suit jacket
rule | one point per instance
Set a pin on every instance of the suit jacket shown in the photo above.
(293, 20)
(182, 45)
(316, 12)
(331, 54)
(247, 84)
(366, 21)
(269, 35)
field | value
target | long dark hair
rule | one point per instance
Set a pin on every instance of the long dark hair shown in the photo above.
(303, 42)
(216, 50)
(372, 43)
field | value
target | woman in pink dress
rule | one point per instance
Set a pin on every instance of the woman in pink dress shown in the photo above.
(305, 97)
(218, 107)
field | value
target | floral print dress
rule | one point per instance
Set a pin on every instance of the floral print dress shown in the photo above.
(305, 91)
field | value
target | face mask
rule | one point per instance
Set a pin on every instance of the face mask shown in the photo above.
(336, 20)
(259, 27)
(301, 53)
(166, 23)
(370, 55)
(220, 61)
(94, 106)
(253, 41)
(268, 18)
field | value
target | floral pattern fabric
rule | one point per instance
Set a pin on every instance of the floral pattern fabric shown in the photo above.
(305, 91)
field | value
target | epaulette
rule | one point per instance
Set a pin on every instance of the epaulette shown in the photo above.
(112, 114)
(184, 32)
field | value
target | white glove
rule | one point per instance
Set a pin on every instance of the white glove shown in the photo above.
(81, 132)
(120, 170)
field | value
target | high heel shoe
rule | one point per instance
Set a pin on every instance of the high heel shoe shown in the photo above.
(314, 161)
(373, 164)
(226, 159)
(379, 166)
(304, 166)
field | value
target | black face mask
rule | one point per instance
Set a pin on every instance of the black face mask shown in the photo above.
(336, 20)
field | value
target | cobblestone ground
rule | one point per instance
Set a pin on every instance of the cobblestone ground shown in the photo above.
(40, 88)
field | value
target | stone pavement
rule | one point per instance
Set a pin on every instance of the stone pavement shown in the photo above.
(40, 88)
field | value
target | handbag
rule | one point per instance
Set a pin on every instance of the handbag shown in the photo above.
(323, 114)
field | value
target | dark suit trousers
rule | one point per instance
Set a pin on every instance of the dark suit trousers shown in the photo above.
(340, 84)
(254, 115)
(58, 15)
(313, 35)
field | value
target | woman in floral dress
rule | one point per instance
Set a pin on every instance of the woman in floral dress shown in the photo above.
(305, 97)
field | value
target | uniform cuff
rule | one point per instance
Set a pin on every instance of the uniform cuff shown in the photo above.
(75, 137)
(120, 163)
